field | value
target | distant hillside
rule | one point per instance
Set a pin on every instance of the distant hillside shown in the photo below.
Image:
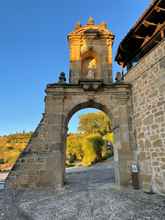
(10, 148)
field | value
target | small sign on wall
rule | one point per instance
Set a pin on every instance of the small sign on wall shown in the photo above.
(134, 168)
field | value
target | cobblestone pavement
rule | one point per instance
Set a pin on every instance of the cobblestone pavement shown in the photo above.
(88, 195)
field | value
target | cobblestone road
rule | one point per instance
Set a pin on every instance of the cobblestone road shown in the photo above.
(88, 195)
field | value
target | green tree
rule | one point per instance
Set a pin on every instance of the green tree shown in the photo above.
(90, 144)
(89, 153)
(97, 122)
(97, 142)
(74, 147)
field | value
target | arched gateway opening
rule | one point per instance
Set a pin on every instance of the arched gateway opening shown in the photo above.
(114, 165)
(89, 148)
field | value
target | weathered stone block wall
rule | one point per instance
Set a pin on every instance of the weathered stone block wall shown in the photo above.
(148, 98)
(30, 162)
(38, 165)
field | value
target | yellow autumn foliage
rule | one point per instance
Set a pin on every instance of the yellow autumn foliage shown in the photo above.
(90, 155)
(10, 148)
(109, 137)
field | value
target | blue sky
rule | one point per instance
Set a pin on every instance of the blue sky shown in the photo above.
(74, 121)
(33, 49)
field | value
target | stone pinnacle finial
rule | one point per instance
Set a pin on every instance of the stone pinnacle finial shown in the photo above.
(103, 24)
(62, 78)
(78, 25)
(90, 20)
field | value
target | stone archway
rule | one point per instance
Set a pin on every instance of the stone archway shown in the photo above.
(42, 164)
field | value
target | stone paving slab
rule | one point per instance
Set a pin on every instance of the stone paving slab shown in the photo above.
(85, 197)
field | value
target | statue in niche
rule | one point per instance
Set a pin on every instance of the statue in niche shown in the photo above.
(91, 69)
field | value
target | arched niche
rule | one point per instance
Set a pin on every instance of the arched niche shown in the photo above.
(90, 65)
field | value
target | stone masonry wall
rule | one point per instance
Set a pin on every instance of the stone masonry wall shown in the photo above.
(31, 161)
(38, 165)
(148, 98)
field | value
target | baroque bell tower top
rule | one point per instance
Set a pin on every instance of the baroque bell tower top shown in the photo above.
(90, 52)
